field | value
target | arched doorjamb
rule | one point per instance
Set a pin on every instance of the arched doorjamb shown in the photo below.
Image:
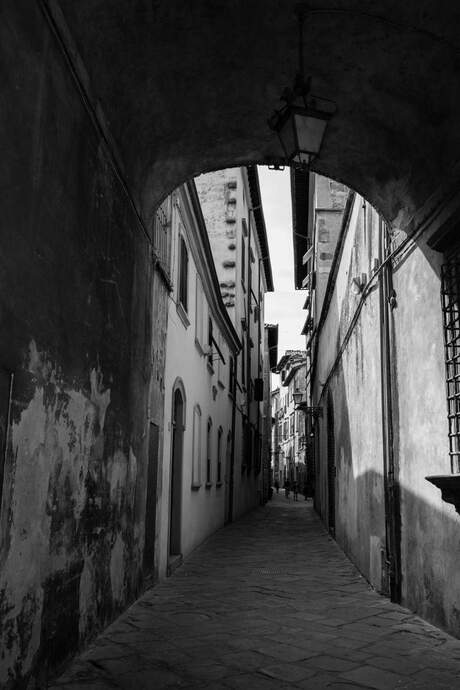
(178, 417)
(331, 469)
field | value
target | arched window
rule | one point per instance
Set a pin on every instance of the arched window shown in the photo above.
(196, 460)
(219, 456)
(183, 274)
(209, 454)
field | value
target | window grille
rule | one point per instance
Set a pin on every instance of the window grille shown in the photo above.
(450, 296)
(161, 239)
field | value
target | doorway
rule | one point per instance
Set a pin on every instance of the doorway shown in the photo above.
(331, 469)
(151, 503)
(228, 464)
(176, 476)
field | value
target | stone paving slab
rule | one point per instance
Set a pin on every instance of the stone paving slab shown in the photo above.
(268, 602)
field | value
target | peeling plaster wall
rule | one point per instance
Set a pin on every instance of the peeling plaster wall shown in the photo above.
(75, 308)
(429, 527)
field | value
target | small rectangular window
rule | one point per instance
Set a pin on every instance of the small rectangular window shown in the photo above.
(210, 342)
(231, 373)
(196, 461)
(209, 454)
(183, 274)
(219, 456)
(199, 319)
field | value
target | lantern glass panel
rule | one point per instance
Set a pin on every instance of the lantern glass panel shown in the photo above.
(287, 137)
(310, 132)
(297, 397)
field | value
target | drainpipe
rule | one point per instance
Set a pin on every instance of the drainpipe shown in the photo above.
(391, 491)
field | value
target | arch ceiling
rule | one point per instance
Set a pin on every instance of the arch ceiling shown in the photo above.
(187, 87)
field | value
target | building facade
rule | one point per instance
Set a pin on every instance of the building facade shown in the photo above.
(197, 468)
(384, 381)
(232, 209)
(275, 474)
(290, 419)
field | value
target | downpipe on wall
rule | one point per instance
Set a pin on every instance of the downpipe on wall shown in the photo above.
(392, 568)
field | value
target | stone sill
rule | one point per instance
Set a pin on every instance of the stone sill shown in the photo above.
(196, 486)
(449, 484)
(218, 485)
(208, 485)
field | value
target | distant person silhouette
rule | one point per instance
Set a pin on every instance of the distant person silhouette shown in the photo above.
(295, 490)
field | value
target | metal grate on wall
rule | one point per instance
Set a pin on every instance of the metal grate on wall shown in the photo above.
(450, 296)
(161, 238)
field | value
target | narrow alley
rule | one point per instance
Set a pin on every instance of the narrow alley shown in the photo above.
(268, 602)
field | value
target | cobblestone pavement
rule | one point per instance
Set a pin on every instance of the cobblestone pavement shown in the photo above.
(268, 602)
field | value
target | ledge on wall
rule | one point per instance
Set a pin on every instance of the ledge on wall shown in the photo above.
(450, 487)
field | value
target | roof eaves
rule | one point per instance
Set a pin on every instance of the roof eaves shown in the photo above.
(300, 193)
(256, 201)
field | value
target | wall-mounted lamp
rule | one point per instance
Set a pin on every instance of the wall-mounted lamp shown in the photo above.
(297, 396)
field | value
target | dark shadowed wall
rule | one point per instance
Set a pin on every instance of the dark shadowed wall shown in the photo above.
(76, 282)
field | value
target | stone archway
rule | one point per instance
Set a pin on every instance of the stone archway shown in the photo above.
(188, 87)
(106, 108)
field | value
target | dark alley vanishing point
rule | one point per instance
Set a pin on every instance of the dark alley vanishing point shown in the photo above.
(268, 602)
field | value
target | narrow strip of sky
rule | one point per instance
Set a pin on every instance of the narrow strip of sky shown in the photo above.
(284, 306)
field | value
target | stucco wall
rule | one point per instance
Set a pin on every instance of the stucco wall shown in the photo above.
(429, 527)
(202, 506)
(76, 285)
(355, 391)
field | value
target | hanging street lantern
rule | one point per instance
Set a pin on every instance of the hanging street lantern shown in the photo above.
(301, 123)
